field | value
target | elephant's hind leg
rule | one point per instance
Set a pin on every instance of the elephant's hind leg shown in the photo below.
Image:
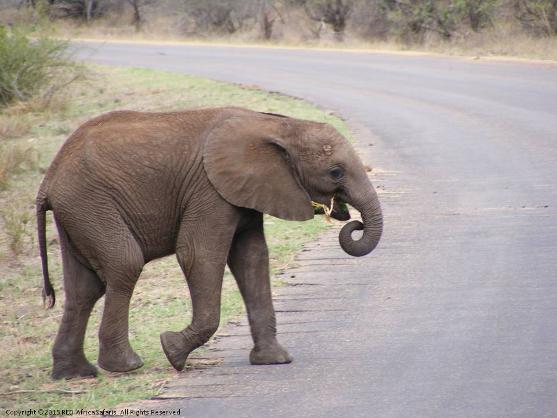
(82, 289)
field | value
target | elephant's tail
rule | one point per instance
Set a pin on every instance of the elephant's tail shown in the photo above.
(49, 298)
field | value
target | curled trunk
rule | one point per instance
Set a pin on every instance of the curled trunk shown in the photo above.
(372, 226)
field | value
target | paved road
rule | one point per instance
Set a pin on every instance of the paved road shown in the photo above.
(455, 314)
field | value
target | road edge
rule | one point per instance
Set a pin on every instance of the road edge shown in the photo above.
(409, 53)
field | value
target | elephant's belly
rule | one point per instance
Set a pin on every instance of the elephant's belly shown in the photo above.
(155, 236)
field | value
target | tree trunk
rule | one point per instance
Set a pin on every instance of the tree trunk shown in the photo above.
(136, 15)
(88, 10)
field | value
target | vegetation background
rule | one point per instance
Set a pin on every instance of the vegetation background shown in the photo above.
(525, 28)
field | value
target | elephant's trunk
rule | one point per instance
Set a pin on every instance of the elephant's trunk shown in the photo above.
(368, 205)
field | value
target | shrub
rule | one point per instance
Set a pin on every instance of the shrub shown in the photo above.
(477, 13)
(220, 16)
(412, 20)
(537, 16)
(332, 12)
(33, 67)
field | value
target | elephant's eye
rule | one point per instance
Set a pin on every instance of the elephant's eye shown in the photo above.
(336, 173)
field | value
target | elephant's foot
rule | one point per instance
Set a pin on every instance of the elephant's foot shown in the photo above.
(70, 370)
(175, 345)
(272, 354)
(116, 359)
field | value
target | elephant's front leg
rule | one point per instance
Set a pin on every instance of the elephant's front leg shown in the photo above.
(202, 249)
(249, 262)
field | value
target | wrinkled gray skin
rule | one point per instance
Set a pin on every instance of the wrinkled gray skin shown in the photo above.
(130, 187)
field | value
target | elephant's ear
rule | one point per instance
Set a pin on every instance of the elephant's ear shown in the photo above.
(247, 160)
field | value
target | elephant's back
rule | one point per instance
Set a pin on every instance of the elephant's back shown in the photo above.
(119, 141)
(126, 152)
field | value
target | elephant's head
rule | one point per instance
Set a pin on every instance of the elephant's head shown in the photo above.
(279, 165)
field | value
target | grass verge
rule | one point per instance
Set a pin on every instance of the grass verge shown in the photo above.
(161, 299)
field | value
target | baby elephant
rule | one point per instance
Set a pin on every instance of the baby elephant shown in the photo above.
(129, 187)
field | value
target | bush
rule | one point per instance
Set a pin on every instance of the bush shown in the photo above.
(537, 16)
(221, 16)
(77, 9)
(412, 20)
(32, 67)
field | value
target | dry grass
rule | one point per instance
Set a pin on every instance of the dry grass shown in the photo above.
(40, 105)
(18, 119)
(503, 41)
(14, 126)
(16, 159)
(19, 226)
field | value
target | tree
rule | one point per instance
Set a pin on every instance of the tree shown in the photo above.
(137, 6)
(332, 12)
(478, 13)
(30, 3)
(412, 19)
(268, 14)
(226, 16)
(88, 9)
(79, 9)
(537, 16)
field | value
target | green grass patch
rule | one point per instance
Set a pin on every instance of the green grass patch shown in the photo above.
(161, 301)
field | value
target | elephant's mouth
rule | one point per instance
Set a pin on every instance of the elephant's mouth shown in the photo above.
(339, 212)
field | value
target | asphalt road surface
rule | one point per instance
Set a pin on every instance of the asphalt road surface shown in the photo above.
(455, 313)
